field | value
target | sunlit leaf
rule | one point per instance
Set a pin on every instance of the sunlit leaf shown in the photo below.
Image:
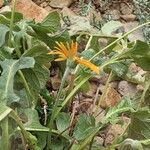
(10, 68)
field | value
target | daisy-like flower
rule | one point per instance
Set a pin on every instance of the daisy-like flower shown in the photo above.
(70, 52)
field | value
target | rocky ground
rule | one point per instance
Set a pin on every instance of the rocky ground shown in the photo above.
(92, 13)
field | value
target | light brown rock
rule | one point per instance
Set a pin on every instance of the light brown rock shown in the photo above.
(137, 35)
(60, 3)
(30, 10)
(4, 9)
(126, 9)
(127, 89)
(1, 3)
(111, 99)
(128, 18)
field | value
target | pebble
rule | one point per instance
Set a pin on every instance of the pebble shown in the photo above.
(128, 18)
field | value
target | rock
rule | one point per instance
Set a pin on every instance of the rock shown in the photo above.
(126, 9)
(79, 23)
(127, 89)
(94, 16)
(113, 132)
(1, 3)
(30, 10)
(114, 14)
(111, 99)
(137, 35)
(99, 140)
(4, 9)
(60, 3)
(48, 8)
(55, 82)
(44, 4)
(67, 12)
(128, 18)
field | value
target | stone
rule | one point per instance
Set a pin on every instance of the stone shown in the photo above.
(5, 8)
(137, 35)
(127, 89)
(30, 10)
(111, 98)
(60, 3)
(126, 9)
(44, 4)
(115, 14)
(1, 3)
(48, 8)
(67, 12)
(128, 18)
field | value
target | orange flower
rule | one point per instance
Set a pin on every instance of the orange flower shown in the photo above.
(70, 52)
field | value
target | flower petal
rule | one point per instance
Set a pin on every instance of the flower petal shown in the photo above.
(62, 48)
(88, 64)
(73, 48)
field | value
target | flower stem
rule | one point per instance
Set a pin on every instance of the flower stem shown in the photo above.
(53, 116)
(123, 36)
(12, 21)
(30, 139)
(5, 134)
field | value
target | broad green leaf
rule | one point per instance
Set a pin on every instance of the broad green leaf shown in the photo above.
(6, 52)
(33, 123)
(110, 27)
(140, 53)
(84, 126)
(36, 77)
(50, 24)
(119, 68)
(17, 16)
(63, 121)
(139, 128)
(3, 31)
(50, 40)
(130, 144)
(95, 44)
(5, 18)
(52, 21)
(112, 115)
(39, 52)
(10, 68)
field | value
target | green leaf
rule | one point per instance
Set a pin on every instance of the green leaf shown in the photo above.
(84, 126)
(141, 54)
(36, 77)
(52, 22)
(113, 113)
(33, 123)
(10, 68)
(3, 31)
(139, 128)
(119, 68)
(5, 18)
(110, 27)
(130, 144)
(63, 121)
(39, 52)
(17, 16)
(50, 40)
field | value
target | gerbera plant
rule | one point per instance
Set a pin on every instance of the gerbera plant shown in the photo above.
(69, 53)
